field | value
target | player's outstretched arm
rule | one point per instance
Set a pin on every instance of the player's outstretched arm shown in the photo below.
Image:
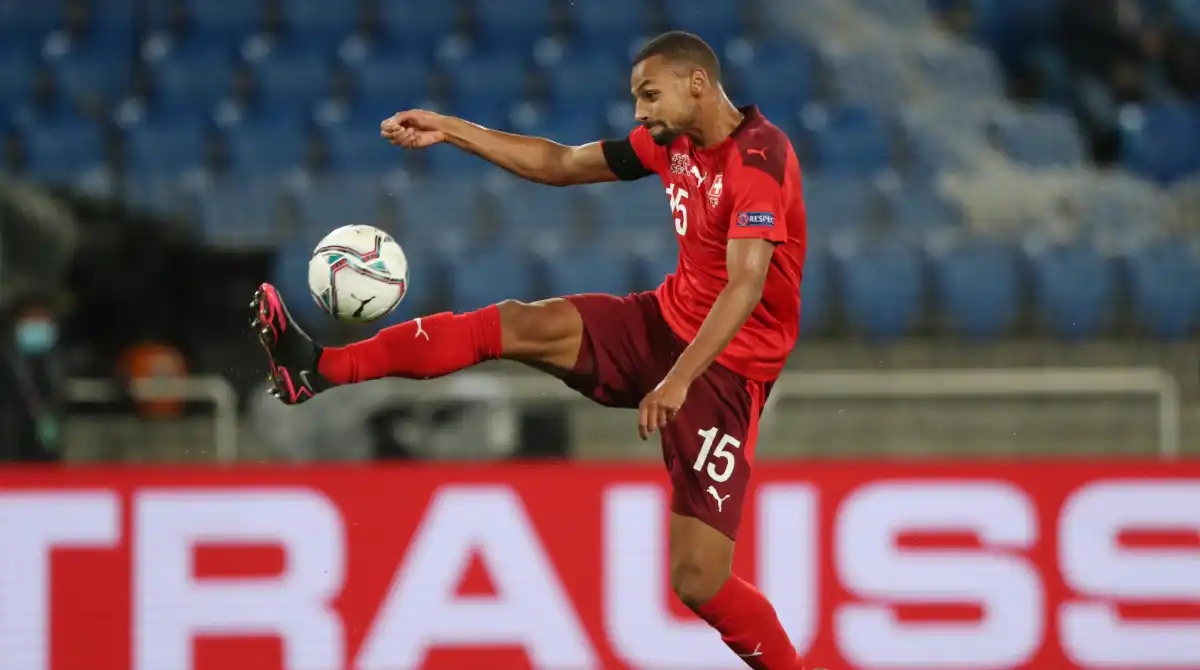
(747, 263)
(531, 158)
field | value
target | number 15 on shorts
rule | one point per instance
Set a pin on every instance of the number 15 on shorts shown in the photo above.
(710, 455)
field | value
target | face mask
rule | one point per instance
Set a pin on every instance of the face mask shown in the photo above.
(36, 337)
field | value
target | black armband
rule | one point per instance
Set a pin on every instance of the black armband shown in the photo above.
(623, 160)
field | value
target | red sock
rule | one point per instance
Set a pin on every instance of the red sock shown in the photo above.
(424, 348)
(749, 626)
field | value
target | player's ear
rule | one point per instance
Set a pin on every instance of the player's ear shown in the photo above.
(698, 82)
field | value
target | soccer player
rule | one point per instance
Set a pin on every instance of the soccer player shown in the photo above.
(697, 357)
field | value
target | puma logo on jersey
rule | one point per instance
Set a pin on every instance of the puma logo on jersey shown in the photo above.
(761, 153)
(757, 652)
(699, 178)
(716, 496)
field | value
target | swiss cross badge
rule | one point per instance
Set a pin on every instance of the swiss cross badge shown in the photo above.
(714, 193)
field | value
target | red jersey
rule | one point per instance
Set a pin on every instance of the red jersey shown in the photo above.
(745, 187)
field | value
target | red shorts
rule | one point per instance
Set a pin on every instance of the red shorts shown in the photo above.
(626, 351)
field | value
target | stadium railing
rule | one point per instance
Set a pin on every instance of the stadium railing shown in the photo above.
(1147, 382)
(213, 390)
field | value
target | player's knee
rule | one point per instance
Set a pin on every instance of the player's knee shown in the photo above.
(696, 580)
(542, 330)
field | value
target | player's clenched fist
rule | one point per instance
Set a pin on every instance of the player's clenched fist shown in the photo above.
(660, 406)
(414, 129)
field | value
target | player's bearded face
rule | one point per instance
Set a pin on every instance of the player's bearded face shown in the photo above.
(665, 106)
(662, 133)
(670, 116)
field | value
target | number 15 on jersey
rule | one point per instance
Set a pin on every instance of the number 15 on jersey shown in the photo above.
(677, 195)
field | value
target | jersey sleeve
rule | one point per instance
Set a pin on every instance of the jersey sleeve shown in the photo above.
(635, 156)
(758, 207)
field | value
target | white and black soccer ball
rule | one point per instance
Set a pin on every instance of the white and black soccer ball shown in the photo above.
(358, 274)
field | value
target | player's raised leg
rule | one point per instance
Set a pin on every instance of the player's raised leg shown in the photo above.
(708, 449)
(546, 333)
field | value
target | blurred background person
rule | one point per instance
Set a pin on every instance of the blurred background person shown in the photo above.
(33, 394)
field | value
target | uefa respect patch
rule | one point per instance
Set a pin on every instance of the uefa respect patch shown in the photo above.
(756, 220)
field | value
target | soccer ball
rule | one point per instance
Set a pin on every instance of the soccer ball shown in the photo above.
(358, 274)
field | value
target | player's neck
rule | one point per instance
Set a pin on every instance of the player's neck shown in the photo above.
(719, 126)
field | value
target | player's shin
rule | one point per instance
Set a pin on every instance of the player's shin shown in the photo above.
(749, 626)
(424, 348)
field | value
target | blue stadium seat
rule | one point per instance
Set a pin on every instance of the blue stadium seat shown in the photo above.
(225, 21)
(1073, 289)
(717, 21)
(898, 13)
(777, 76)
(836, 205)
(266, 148)
(333, 202)
(1043, 138)
(636, 215)
(1124, 211)
(1160, 142)
(31, 18)
(513, 24)
(815, 290)
(881, 284)
(114, 20)
(63, 151)
(490, 275)
(290, 276)
(157, 194)
(445, 161)
(964, 71)
(653, 268)
(587, 82)
(439, 213)
(167, 147)
(296, 79)
(917, 211)
(1165, 288)
(872, 77)
(319, 21)
(16, 74)
(618, 121)
(573, 129)
(242, 212)
(355, 146)
(588, 271)
(416, 24)
(848, 140)
(1011, 27)
(192, 75)
(390, 79)
(485, 85)
(601, 25)
(94, 69)
(531, 215)
(977, 285)
(933, 144)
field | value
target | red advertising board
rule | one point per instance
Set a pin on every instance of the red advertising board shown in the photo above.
(1013, 565)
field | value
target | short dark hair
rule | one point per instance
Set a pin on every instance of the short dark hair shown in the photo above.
(681, 46)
